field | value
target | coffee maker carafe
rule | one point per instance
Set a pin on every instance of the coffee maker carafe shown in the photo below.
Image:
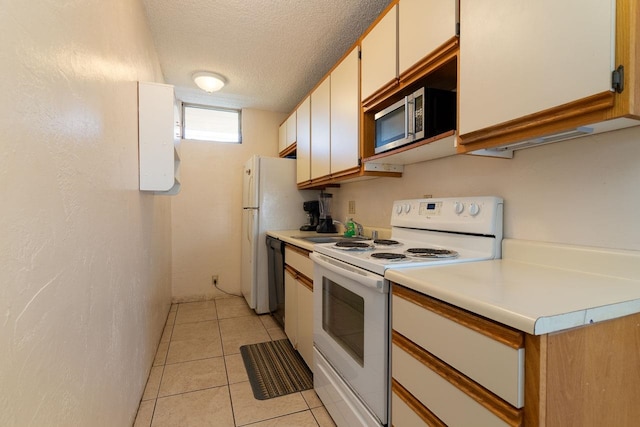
(312, 209)
(325, 224)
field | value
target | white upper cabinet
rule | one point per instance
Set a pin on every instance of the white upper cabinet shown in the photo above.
(158, 138)
(287, 133)
(282, 137)
(379, 54)
(519, 57)
(423, 26)
(303, 151)
(321, 130)
(291, 129)
(345, 114)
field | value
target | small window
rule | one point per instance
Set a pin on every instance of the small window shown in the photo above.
(211, 124)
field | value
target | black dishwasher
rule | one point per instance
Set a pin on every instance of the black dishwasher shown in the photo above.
(275, 258)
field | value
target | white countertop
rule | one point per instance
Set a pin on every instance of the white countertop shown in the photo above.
(537, 288)
(293, 237)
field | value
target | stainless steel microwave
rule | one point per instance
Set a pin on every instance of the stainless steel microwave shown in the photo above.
(422, 114)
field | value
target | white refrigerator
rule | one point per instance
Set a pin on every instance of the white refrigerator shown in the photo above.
(270, 201)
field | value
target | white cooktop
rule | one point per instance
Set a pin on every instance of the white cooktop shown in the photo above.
(468, 248)
(537, 287)
(469, 226)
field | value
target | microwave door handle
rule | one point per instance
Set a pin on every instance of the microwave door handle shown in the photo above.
(410, 118)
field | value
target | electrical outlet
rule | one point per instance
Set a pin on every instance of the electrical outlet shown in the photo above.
(214, 280)
(427, 196)
(352, 207)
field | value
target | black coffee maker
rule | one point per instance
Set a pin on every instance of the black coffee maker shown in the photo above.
(312, 208)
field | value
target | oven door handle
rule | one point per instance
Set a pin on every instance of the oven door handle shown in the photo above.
(363, 277)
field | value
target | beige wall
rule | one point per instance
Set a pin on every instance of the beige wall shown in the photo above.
(207, 212)
(85, 277)
(583, 191)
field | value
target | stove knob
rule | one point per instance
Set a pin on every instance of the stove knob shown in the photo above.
(458, 207)
(398, 209)
(407, 208)
(474, 209)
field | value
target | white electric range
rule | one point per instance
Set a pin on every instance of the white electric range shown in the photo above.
(351, 295)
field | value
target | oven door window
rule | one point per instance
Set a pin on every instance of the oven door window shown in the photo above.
(343, 318)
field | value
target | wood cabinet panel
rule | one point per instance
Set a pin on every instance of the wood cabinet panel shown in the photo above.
(593, 375)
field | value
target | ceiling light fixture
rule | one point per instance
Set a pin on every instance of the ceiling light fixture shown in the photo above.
(208, 82)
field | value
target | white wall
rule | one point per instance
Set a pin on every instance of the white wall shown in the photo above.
(85, 277)
(207, 213)
(583, 191)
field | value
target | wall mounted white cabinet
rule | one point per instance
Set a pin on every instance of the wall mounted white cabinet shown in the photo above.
(158, 138)
(345, 114)
(321, 130)
(379, 54)
(423, 26)
(548, 74)
(287, 135)
(547, 53)
(303, 150)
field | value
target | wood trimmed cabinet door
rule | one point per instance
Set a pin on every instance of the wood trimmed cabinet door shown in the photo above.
(530, 69)
(299, 301)
(321, 130)
(303, 151)
(423, 26)
(345, 114)
(379, 55)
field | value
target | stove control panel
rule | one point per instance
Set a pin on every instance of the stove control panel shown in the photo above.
(477, 215)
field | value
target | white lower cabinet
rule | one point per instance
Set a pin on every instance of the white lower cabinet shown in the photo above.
(450, 367)
(291, 307)
(298, 301)
(305, 323)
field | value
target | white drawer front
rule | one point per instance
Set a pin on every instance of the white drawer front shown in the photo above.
(402, 415)
(495, 366)
(298, 261)
(447, 402)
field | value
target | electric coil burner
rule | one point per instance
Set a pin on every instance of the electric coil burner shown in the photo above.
(386, 242)
(388, 256)
(351, 245)
(431, 253)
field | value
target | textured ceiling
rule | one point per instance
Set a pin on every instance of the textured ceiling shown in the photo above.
(272, 52)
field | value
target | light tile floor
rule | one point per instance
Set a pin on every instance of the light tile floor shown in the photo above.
(198, 377)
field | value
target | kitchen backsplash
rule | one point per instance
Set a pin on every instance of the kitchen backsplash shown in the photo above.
(583, 191)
